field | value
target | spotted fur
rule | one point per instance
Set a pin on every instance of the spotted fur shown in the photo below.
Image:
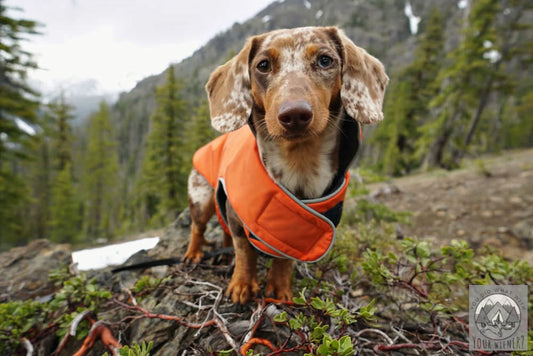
(303, 157)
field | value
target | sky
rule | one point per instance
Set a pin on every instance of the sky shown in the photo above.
(110, 45)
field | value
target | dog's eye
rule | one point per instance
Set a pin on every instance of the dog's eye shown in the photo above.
(263, 66)
(325, 61)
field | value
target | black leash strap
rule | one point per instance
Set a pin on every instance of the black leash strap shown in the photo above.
(169, 261)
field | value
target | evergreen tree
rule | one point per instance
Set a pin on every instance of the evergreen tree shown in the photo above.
(508, 30)
(18, 105)
(472, 76)
(60, 114)
(41, 177)
(64, 213)
(395, 132)
(164, 175)
(406, 107)
(513, 317)
(199, 130)
(100, 177)
(461, 84)
(65, 219)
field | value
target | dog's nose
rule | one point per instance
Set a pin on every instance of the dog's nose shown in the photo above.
(295, 115)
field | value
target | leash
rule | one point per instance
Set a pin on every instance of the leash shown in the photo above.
(169, 261)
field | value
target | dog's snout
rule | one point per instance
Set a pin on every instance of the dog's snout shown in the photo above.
(295, 115)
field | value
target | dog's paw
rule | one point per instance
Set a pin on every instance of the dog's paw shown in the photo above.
(242, 291)
(194, 256)
(281, 292)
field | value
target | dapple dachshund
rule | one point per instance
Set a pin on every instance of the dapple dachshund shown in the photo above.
(300, 92)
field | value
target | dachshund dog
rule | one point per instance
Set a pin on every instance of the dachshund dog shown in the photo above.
(296, 89)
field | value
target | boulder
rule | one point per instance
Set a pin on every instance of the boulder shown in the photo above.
(25, 269)
(524, 231)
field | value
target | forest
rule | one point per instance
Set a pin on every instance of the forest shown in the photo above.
(97, 180)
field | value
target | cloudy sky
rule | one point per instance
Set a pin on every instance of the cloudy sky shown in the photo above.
(115, 43)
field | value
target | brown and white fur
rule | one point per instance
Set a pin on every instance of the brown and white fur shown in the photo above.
(296, 85)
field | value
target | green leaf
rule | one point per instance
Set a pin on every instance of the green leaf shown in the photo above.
(317, 303)
(281, 317)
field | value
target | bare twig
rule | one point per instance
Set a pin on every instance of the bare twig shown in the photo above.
(99, 332)
(150, 315)
(220, 323)
(256, 341)
(72, 330)
(375, 331)
(28, 346)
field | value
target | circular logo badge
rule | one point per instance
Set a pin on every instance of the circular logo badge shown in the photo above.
(497, 316)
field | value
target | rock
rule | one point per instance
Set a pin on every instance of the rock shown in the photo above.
(175, 239)
(25, 269)
(524, 231)
(386, 189)
(440, 208)
(487, 214)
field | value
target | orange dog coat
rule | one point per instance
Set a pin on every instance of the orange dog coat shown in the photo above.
(275, 221)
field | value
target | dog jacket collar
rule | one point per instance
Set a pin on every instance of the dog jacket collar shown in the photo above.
(275, 221)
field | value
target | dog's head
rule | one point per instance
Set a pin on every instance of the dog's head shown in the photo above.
(295, 80)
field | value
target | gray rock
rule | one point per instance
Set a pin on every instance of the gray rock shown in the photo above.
(25, 269)
(524, 231)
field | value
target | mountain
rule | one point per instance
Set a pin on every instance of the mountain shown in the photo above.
(380, 26)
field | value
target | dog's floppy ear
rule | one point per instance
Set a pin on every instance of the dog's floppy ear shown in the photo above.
(230, 93)
(363, 82)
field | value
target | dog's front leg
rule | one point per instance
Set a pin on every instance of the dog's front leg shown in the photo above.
(279, 279)
(243, 284)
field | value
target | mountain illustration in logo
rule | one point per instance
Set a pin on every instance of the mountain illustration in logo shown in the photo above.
(497, 316)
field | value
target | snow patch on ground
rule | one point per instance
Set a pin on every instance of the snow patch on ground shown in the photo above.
(319, 14)
(100, 257)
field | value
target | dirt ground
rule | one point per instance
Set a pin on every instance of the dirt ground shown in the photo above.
(489, 202)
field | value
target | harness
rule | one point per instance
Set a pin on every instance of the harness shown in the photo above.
(275, 221)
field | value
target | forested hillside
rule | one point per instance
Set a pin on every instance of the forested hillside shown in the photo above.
(461, 85)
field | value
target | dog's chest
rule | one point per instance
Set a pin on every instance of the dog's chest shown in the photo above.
(306, 172)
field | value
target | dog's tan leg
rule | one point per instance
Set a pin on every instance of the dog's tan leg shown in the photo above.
(202, 207)
(243, 285)
(279, 279)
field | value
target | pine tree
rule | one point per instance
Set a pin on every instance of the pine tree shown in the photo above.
(41, 177)
(408, 97)
(18, 103)
(396, 133)
(100, 177)
(473, 74)
(164, 175)
(508, 30)
(65, 219)
(199, 130)
(60, 114)
(64, 212)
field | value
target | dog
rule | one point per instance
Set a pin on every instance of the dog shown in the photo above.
(298, 96)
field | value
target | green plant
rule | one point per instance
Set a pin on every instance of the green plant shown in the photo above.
(17, 320)
(147, 284)
(482, 169)
(77, 294)
(135, 349)
(322, 324)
